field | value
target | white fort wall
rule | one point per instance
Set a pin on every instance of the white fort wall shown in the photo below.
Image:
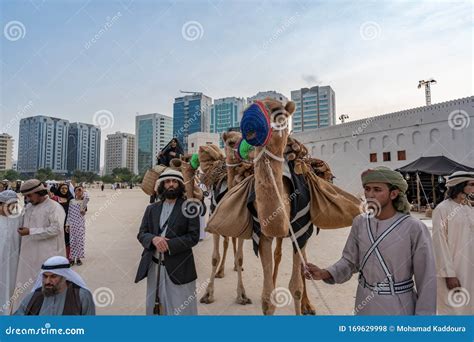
(445, 128)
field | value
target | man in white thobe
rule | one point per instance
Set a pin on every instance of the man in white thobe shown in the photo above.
(10, 220)
(453, 242)
(42, 234)
(391, 251)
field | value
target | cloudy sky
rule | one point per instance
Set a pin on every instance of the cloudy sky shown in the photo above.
(72, 59)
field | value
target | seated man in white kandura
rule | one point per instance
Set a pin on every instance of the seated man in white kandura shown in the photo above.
(58, 291)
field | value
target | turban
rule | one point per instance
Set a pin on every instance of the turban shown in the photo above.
(385, 175)
(459, 177)
(169, 173)
(8, 196)
(31, 186)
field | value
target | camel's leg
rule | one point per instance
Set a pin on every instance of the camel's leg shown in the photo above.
(265, 250)
(277, 258)
(208, 297)
(220, 272)
(306, 307)
(296, 283)
(241, 296)
(235, 247)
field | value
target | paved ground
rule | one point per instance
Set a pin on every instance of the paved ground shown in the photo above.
(113, 253)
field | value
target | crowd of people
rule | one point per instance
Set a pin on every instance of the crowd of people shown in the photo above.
(52, 223)
(402, 268)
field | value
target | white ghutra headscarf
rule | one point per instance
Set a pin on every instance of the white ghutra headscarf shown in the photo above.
(59, 265)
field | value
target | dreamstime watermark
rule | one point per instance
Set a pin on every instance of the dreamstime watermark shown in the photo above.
(450, 216)
(46, 330)
(108, 24)
(103, 296)
(281, 297)
(104, 119)
(11, 209)
(192, 297)
(104, 207)
(282, 29)
(192, 30)
(458, 297)
(14, 30)
(19, 115)
(364, 302)
(360, 129)
(458, 119)
(192, 208)
(183, 130)
(19, 290)
(370, 208)
(370, 30)
(280, 208)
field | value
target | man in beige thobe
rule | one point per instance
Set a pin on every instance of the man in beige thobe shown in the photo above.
(42, 235)
(453, 242)
(391, 251)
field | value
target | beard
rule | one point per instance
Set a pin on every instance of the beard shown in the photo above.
(173, 193)
(50, 291)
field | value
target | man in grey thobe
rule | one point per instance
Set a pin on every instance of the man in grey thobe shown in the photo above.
(57, 291)
(391, 251)
(169, 230)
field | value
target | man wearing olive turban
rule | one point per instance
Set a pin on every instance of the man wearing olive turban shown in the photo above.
(389, 249)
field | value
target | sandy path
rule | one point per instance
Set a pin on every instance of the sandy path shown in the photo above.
(113, 253)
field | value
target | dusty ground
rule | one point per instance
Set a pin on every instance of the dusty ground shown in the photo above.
(113, 253)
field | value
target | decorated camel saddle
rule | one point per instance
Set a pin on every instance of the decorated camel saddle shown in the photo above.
(312, 198)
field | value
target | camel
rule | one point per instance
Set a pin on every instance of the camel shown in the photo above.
(270, 183)
(237, 170)
(218, 264)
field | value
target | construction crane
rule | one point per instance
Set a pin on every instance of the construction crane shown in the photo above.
(427, 89)
(190, 92)
(343, 118)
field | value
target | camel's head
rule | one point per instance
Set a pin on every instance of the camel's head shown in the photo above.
(231, 140)
(265, 124)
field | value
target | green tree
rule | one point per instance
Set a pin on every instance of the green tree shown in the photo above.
(122, 174)
(11, 175)
(44, 174)
(108, 179)
(79, 176)
(137, 179)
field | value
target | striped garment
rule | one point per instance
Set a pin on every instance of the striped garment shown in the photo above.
(218, 191)
(300, 216)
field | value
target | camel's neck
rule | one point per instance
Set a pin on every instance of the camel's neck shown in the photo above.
(271, 196)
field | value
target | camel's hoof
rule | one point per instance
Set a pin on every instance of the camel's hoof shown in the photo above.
(220, 274)
(268, 309)
(243, 300)
(308, 311)
(207, 299)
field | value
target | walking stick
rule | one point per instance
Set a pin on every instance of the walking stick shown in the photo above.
(158, 309)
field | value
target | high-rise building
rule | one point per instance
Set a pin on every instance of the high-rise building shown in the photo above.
(226, 113)
(315, 108)
(6, 151)
(152, 133)
(42, 144)
(83, 148)
(191, 113)
(119, 152)
(262, 95)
